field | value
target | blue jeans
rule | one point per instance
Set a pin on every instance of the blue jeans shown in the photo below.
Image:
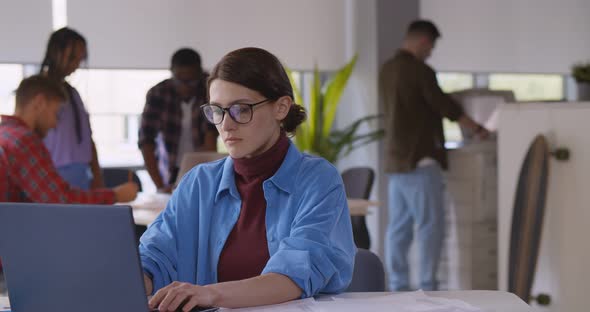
(417, 198)
(77, 175)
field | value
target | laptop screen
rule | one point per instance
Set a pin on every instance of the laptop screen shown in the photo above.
(70, 258)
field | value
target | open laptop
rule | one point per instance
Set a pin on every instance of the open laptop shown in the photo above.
(71, 258)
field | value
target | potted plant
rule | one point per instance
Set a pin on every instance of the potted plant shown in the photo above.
(316, 135)
(581, 73)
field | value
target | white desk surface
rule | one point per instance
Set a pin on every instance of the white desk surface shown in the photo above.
(4, 303)
(146, 207)
(487, 300)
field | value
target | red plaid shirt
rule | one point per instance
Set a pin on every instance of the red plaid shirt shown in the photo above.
(27, 173)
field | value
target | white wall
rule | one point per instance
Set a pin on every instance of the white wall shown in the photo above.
(561, 270)
(360, 96)
(25, 26)
(533, 36)
(145, 33)
(393, 18)
(375, 29)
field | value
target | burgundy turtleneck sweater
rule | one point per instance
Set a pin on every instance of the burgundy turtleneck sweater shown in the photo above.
(245, 253)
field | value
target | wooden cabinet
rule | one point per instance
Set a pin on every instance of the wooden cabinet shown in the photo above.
(469, 258)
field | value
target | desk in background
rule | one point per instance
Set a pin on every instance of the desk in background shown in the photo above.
(488, 301)
(146, 207)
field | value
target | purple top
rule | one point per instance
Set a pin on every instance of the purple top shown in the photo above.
(62, 142)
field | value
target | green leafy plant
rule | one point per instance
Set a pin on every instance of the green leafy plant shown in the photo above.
(581, 72)
(316, 135)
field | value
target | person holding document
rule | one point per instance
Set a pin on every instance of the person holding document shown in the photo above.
(172, 124)
(265, 225)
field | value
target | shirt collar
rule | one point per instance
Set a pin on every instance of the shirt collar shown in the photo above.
(406, 53)
(283, 178)
(13, 120)
(188, 102)
(227, 180)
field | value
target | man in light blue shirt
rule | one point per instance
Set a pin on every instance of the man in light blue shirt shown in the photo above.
(307, 224)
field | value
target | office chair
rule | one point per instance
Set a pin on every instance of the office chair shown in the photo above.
(358, 182)
(115, 176)
(368, 274)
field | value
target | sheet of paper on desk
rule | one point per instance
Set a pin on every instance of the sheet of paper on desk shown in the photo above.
(150, 201)
(304, 305)
(4, 304)
(416, 301)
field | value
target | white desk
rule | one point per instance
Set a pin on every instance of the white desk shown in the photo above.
(561, 271)
(4, 303)
(488, 301)
(484, 301)
(146, 207)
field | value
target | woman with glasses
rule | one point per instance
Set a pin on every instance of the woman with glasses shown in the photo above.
(265, 225)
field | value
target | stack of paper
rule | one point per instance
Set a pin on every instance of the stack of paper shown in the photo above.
(4, 304)
(305, 305)
(149, 201)
(416, 301)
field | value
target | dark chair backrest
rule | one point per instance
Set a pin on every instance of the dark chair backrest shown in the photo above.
(368, 275)
(358, 182)
(115, 176)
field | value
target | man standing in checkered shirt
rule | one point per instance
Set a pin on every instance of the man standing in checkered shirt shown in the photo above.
(172, 123)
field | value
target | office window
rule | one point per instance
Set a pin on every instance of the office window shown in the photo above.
(452, 132)
(451, 82)
(10, 77)
(114, 99)
(297, 78)
(530, 87)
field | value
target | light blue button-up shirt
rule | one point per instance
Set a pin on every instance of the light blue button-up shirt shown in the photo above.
(308, 226)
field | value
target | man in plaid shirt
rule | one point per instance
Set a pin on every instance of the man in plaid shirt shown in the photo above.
(172, 123)
(27, 173)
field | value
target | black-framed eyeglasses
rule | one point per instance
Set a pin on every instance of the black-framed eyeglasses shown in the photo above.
(240, 112)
